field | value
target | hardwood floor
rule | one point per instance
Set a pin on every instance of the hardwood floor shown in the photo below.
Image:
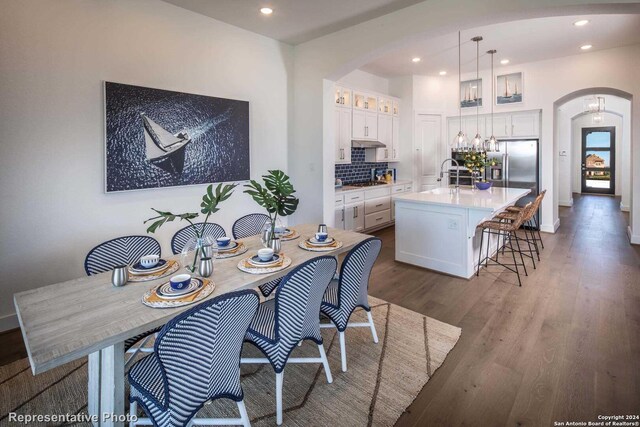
(563, 347)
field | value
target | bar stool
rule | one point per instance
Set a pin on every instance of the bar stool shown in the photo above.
(508, 231)
(533, 223)
(529, 232)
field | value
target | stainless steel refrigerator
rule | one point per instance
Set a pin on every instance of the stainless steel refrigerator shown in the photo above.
(518, 166)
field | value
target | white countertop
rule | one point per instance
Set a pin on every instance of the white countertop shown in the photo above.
(494, 199)
(347, 188)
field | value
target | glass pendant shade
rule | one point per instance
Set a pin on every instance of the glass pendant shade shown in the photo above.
(477, 143)
(596, 118)
(492, 144)
(460, 141)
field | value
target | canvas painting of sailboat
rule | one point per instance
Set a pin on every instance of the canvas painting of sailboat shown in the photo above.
(157, 138)
(471, 93)
(509, 88)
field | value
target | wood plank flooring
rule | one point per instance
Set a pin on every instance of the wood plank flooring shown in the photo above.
(563, 347)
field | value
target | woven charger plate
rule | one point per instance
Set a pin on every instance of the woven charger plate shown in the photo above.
(242, 265)
(206, 290)
(242, 249)
(303, 245)
(172, 267)
(291, 236)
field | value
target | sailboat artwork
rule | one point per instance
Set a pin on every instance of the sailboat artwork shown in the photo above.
(157, 138)
(164, 149)
(509, 88)
(471, 93)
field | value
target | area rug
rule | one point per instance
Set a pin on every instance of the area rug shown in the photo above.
(381, 381)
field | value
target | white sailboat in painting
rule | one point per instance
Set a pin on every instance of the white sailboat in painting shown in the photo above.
(164, 149)
(510, 96)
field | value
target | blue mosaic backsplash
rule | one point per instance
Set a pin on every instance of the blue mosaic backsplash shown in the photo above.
(358, 170)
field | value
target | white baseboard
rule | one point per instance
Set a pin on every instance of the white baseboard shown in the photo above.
(10, 321)
(625, 208)
(567, 203)
(633, 238)
(548, 228)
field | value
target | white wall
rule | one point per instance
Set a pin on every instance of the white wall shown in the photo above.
(362, 80)
(55, 56)
(544, 83)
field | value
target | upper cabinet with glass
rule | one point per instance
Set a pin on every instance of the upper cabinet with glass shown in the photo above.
(342, 97)
(365, 101)
(396, 108)
(385, 105)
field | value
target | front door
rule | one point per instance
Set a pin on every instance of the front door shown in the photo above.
(598, 160)
(428, 129)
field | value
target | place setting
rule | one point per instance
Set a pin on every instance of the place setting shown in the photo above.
(320, 242)
(180, 290)
(285, 234)
(151, 267)
(265, 261)
(228, 248)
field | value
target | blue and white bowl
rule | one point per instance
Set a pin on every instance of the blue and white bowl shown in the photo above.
(321, 237)
(181, 281)
(223, 241)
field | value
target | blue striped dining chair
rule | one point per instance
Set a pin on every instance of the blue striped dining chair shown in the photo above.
(292, 316)
(196, 360)
(124, 250)
(183, 235)
(350, 291)
(249, 225)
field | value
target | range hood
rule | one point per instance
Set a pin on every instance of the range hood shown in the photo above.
(366, 143)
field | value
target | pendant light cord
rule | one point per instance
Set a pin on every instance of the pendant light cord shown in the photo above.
(459, 83)
(477, 87)
(492, 91)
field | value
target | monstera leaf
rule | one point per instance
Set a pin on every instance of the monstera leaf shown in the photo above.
(276, 196)
(210, 200)
(164, 217)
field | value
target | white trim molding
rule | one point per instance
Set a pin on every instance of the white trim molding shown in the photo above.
(566, 203)
(9, 321)
(633, 238)
(625, 208)
(547, 228)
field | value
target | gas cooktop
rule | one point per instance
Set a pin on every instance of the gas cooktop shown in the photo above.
(367, 184)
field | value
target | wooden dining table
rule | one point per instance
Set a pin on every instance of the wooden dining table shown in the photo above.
(90, 317)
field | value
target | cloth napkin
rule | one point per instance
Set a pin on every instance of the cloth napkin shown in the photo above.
(232, 251)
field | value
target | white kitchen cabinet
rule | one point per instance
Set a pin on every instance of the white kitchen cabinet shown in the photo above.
(342, 135)
(365, 101)
(525, 125)
(385, 135)
(395, 140)
(364, 125)
(501, 126)
(354, 217)
(377, 219)
(385, 105)
(339, 218)
(342, 97)
(396, 107)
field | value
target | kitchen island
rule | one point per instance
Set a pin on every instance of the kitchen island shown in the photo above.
(436, 229)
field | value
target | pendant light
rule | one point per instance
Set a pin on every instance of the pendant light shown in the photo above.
(460, 141)
(492, 143)
(477, 143)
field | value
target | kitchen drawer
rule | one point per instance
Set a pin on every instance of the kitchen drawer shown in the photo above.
(408, 188)
(397, 189)
(376, 219)
(377, 205)
(375, 193)
(355, 197)
(339, 200)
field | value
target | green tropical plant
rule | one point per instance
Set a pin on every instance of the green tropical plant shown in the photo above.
(276, 196)
(209, 205)
(477, 161)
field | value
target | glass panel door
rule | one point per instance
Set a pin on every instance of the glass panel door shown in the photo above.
(598, 160)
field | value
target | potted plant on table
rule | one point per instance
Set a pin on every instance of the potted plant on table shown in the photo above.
(196, 245)
(276, 196)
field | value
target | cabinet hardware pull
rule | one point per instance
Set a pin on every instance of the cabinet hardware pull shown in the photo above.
(379, 219)
(342, 214)
(377, 206)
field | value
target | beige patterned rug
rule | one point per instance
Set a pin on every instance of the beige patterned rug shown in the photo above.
(381, 382)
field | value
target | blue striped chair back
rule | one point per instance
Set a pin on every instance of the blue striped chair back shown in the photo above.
(353, 285)
(183, 235)
(119, 251)
(297, 308)
(199, 357)
(249, 225)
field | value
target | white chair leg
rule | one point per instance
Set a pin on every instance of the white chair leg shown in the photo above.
(343, 352)
(243, 414)
(279, 379)
(373, 327)
(133, 412)
(325, 363)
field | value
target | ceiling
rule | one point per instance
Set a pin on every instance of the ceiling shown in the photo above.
(519, 41)
(294, 21)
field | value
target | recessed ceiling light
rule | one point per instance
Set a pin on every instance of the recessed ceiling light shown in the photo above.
(443, 73)
(266, 11)
(416, 59)
(581, 23)
(504, 61)
(586, 47)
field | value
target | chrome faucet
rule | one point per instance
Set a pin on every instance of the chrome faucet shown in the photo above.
(442, 172)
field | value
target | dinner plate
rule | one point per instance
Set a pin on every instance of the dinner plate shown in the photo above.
(315, 242)
(286, 232)
(232, 245)
(165, 291)
(137, 268)
(255, 260)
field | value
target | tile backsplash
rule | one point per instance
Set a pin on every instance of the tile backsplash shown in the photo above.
(359, 170)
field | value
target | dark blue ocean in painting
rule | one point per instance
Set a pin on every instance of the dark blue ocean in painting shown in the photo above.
(216, 148)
